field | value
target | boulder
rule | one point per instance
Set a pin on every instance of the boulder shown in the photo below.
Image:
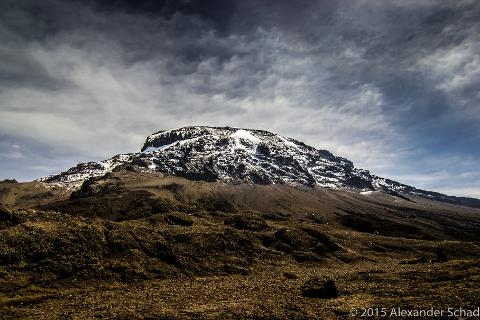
(319, 288)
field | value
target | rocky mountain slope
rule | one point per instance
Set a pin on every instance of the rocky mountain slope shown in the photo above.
(141, 236)
(238, 155)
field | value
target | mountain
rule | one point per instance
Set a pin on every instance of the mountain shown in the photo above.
(237, 155)
(153, 235)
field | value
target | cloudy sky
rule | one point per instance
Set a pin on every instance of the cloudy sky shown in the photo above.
(392, 85)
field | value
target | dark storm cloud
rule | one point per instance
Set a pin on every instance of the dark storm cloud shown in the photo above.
(217, 11)
(391, 85)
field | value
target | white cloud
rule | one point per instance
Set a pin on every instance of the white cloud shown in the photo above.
(456, 71)
(461, 191)
(114, 104)
(13, 152)
(457, 66)
(109, 95)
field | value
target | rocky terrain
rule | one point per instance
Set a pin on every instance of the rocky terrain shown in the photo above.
(238, 155)
(224, 223)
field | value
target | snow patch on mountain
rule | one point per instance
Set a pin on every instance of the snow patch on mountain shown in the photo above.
(244, 156)
(247, 135)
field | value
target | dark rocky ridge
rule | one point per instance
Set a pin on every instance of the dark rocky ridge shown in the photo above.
(238, 155)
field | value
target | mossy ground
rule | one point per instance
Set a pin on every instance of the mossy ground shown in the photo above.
(164, 251)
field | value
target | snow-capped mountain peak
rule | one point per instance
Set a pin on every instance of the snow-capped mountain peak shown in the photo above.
(241, 155)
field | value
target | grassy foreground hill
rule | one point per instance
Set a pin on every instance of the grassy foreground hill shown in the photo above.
(132, 245)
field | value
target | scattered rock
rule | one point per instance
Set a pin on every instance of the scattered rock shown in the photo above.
(8, 219)
(441, 255)
(290, 275)
(163, 206)
(215, 203)
(178, 218)
(422, 259)
(275, 216)
(319, 288)
(316, 218)
(246, 221)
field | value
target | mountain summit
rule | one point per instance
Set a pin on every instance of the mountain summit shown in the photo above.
(251, 156)
(237, 155)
